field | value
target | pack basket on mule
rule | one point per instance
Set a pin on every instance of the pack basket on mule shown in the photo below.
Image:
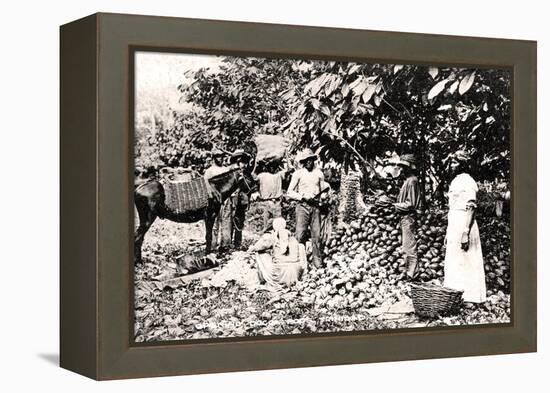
(186, 201)
(187, 195)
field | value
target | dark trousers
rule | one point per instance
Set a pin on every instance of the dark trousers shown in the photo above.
(408, 240)
(309, 216)
(223, 227)
(238, 224)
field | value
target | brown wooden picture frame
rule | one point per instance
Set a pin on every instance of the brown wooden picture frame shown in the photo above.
(97, 201)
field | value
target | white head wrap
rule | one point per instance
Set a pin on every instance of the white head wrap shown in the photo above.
(279, 226)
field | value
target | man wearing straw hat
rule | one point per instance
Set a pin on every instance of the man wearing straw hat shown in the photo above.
(220, 230)
(409, 203)
(239, 200)
(306, 186)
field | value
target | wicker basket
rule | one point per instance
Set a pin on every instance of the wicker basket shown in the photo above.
(182, 197)
(430, 300)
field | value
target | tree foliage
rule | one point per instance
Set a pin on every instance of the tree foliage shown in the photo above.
(352, 114)
(357, 112)
(241, 100)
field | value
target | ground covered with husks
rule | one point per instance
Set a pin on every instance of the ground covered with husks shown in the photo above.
(354, 292)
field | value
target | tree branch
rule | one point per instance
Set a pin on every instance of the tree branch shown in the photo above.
(364, 162)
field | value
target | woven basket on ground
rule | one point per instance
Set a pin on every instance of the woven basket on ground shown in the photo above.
(430, 300)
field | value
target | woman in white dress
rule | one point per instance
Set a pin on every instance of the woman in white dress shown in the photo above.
(463, 258)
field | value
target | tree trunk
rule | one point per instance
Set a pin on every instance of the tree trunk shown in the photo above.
(351, 197)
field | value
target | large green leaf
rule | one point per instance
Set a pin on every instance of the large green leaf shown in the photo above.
(453, 87)
(433, 71)
(354, 68)
(466, 83)
(358, 87)
(324, 110)
(345, 89)
(367, 94)
(437, 89)
(287, 94)
(332, 84)
(315, 103)
(316, 84)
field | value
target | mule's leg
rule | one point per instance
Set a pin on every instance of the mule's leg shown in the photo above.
(212, 213)
(147, 216)
(209, 226)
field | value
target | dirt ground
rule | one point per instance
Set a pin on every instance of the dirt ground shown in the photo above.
(227, 301)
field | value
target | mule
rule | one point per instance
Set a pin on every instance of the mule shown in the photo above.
(149, 199)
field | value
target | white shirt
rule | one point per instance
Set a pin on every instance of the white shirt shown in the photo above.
(271, 185)
(306, 184)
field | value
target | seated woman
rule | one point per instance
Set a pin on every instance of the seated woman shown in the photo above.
(280, 259)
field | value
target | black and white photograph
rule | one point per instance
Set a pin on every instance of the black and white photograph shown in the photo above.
(281, 196)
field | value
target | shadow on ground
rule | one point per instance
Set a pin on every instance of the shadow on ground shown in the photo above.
(52, 358)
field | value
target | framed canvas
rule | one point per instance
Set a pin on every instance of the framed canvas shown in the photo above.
(242, 196)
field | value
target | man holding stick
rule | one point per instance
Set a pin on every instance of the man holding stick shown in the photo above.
(306, 186)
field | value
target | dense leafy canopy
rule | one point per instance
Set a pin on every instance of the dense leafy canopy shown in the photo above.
(352, 114)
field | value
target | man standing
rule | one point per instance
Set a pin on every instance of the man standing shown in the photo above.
(239, 201)
(306, 187)
(217, 168)
(270, 193)
(409, 204)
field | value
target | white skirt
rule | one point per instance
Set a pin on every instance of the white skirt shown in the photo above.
(464, 270)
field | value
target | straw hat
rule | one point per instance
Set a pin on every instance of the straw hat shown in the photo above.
(307, 154)
(239, 153)
(407, 160)
(217, 152)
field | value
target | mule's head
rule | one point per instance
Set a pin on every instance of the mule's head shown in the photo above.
(235, 178)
